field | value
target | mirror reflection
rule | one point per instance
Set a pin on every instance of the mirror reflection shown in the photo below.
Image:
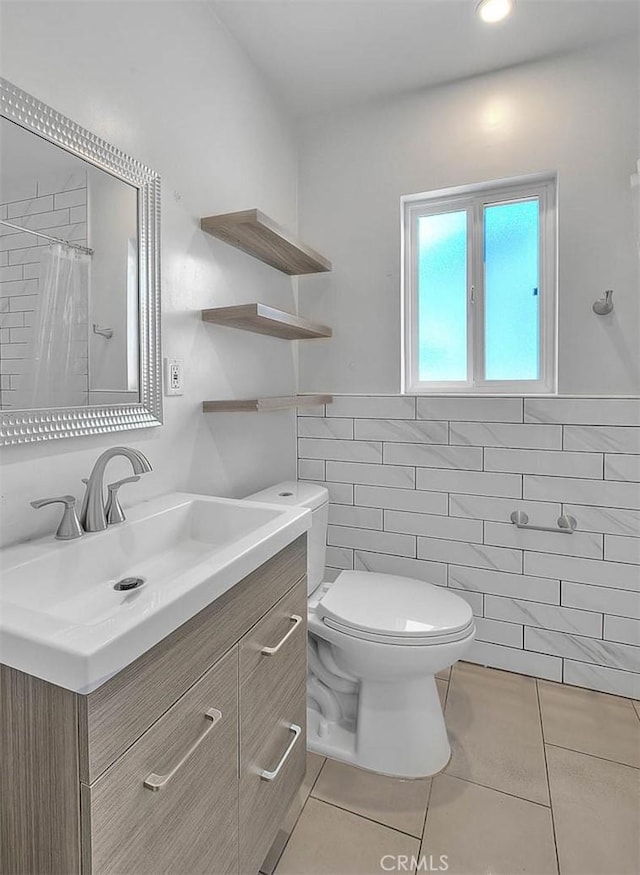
(69, 278)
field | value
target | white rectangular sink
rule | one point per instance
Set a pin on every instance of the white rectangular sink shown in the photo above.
(61, 618)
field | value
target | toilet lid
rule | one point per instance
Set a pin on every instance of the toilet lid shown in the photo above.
(398, 607)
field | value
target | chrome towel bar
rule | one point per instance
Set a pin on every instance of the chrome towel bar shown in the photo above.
(566, 525)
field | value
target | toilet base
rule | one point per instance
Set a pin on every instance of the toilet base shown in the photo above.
(329, 739)
(399, 730)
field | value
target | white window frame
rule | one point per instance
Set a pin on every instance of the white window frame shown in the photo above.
(474, 198)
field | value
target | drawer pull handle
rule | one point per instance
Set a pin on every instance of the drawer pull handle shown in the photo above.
(270, 651)
(269, 776)
(157, 782)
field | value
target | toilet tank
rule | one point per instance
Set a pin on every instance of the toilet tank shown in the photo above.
(315, 497)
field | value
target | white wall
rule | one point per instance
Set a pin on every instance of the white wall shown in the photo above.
(576, 114)
(165, 83)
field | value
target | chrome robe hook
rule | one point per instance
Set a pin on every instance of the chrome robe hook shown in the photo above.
(604, 305)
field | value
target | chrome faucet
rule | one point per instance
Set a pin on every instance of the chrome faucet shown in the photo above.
(92, 516)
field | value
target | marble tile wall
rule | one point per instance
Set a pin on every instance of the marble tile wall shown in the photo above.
(424, 487)
(55, 204)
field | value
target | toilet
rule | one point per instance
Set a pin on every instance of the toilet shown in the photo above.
(376, 642)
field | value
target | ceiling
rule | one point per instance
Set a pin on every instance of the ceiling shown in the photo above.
(320, 55)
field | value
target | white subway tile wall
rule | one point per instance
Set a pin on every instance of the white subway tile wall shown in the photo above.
(55, 205)
(424, 487)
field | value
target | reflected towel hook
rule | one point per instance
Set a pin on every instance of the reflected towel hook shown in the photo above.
(103, 332)
(604, 305)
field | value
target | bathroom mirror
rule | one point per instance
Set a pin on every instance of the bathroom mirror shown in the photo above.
(79, 279)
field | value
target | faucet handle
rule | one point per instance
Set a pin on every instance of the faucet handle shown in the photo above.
(69, 527)
(113, 509)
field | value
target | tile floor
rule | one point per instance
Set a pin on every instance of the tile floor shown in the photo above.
(543, 779)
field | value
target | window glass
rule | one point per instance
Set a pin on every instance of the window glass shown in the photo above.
(442, 296)
(511, 291)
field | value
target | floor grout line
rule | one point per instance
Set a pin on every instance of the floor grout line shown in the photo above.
(546, 770)
(317, 778)
(426, 816)
(595, 756)
(447, 681)
(369, 819)
(446, 696)
(495, 789)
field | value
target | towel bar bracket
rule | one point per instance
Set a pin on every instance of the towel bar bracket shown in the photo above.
(567, 524)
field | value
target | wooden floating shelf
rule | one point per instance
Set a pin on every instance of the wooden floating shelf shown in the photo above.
(266, 320)
(258, 235)
(263, 405)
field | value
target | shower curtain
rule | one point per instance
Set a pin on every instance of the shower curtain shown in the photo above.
(56, 367)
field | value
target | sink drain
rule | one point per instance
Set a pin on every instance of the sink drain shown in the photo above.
(128, 583)
(285, 494)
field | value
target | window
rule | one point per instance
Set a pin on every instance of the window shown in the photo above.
(479, 288)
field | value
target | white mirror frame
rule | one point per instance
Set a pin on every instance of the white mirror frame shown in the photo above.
(28, 426)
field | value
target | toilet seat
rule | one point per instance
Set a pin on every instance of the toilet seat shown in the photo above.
(398, 640)
(394, 610)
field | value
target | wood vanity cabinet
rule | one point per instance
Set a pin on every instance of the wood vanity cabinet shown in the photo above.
(184, 763)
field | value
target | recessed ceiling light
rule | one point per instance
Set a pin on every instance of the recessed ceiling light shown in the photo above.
(494, 10)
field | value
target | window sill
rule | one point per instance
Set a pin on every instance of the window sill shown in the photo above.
(481, 393)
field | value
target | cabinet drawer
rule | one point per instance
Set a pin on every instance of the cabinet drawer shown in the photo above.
(189, 822)
(112, 717)
(269, 746)
(272, 701)
(279, 638)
